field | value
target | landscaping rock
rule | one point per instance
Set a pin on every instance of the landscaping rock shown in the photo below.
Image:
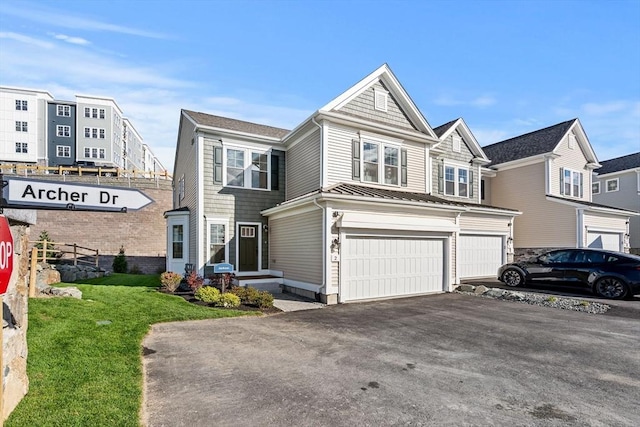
(480, 290)
(71, 291)
(466, 288)
(514, 296)
(495, 293)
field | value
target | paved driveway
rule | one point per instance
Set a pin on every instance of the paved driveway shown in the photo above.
(438, 360)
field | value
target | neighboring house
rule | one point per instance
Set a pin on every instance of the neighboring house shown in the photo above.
(617, 183)
(546, 175)
(361, 200)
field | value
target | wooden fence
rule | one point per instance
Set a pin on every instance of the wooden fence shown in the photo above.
(29, 169)
(54, 251)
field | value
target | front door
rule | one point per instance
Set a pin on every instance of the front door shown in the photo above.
(177, 243)
(248, 248)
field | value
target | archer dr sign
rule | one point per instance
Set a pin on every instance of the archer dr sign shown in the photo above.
(33, 194)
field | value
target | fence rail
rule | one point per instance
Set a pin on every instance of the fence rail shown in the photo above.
(28, 169)
(45, 251)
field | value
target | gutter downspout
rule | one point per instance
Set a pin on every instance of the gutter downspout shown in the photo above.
(324, 246)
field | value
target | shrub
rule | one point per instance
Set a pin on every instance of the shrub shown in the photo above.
(44, 235)
(207, 294)
(227, 300)
(195, 281)
(120, 262)
(551, 299)
(251, 296)
(170, 281)
(135, 269)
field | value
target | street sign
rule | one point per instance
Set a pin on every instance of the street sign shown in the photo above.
(6, 254)
(34, 194)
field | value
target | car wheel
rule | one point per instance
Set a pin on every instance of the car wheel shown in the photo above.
(512, 277)
(611, 288)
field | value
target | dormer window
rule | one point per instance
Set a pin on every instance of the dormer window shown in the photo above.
(380, 99)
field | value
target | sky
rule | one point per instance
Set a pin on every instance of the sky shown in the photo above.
(506, 67)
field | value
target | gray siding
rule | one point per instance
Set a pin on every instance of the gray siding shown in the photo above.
(464, 156)
(296, 246)
(106, 124)
(303, 166)
(363, 106)
(627, 197)
(238, 204)
(54, 140)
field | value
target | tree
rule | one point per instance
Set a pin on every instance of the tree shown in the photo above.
(44, 235)
(120, 262)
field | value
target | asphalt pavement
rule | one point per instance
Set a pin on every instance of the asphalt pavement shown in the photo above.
(441, 360)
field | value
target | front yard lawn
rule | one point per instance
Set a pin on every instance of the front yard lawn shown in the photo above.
(84, 361)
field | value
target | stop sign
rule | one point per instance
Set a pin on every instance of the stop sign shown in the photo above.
(6, 254)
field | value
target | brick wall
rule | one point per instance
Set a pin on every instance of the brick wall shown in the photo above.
(142, 233)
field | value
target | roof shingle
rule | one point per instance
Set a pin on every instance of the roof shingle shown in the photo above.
(236, 125)
(527, 145)
(630, 161)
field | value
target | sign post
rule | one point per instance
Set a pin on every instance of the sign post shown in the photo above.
(6, 268)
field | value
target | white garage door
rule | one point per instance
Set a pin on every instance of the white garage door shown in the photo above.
(378, 267)
(610, 241)
(480, 255)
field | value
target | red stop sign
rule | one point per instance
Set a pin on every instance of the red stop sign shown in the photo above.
(6, 254)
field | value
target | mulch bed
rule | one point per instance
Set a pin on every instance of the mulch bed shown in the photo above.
(188, 296)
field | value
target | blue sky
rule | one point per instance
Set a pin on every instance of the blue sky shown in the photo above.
(506, 67)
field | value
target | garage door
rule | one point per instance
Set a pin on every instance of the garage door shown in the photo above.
(480, 255)
(610, 241)
(379, 267)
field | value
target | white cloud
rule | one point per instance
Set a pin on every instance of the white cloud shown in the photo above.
(25, 39)
(43, 15)
(72, 40)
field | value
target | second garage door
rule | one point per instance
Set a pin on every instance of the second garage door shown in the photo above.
(609, 241)
(480, 255)
(379, 267)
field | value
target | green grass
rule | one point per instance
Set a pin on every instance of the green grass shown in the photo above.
(85, 374)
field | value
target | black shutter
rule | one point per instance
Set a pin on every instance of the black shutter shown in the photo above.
(403, 167)
(470, 183)
(275, 172)
(217, 165)
(561, 180)
(440, 178)
(581, 186)
(355, 151)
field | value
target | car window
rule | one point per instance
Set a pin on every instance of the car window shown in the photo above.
(557, 257)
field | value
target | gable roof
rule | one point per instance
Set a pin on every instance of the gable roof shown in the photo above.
(386, 76)
(528, 145)
(630, 161)
(461, 126)
(225, 123)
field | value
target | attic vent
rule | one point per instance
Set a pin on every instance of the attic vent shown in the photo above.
(457, 143)
(380, 98)
(572, 140)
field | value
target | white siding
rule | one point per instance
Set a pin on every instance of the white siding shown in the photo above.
(295, 246)
(570, 158)
(303, 166)
(489, 223)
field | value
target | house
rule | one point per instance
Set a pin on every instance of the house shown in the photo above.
(362, 200)
(546, 175)
(617, 183)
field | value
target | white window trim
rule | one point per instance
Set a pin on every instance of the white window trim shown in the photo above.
(63, 128)
(606, 185)
(63, 146)
(247, 165)
(379, 94)
(65, 109)
(222, 221)
(597, 183)
(564, 182)
(382, 143)
(456, 167)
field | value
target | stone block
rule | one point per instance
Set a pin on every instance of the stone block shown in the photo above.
(466, 288)
(495, 293)
(481, 289)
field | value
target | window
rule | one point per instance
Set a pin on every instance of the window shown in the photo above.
(101, 133)
(87, 112)
(64, 111)
(94, 153)
(370, 161)
(259, 170)
(458, 181)
(22, 127)
(595, 187)
(63, 151)
(571, 182)
(64, 131)
(87, 152)
(22, 147)
(235, 168)
(380, 99)
(391, 165)
(101, 113)
(217, 244)
(456, 142)
(94, 113)
(87, 132)
(181, 188)
(101, 153)
(94, 132)
(177, 237)
(21, 105)
(248, 232)
(612, 185)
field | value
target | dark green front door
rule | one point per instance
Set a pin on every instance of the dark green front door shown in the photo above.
(248, 248)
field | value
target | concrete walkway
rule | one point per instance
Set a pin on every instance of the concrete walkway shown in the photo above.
(290, 302)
